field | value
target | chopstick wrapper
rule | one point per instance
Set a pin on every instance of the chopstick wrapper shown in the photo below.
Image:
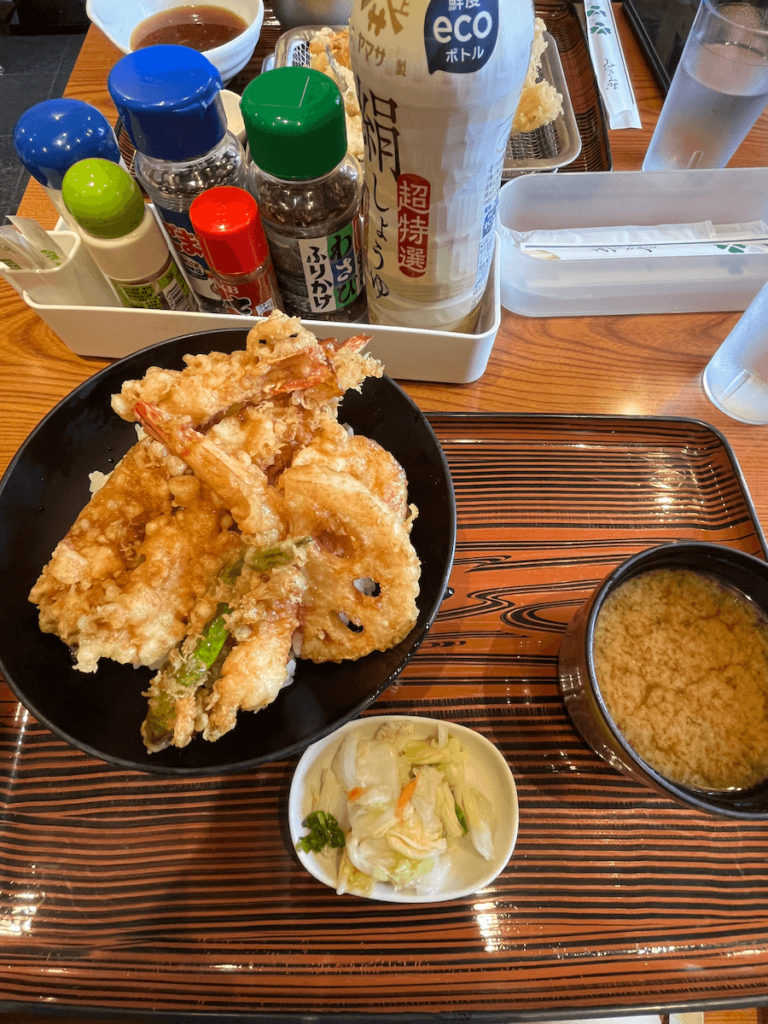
(632, 241)
(610, 65)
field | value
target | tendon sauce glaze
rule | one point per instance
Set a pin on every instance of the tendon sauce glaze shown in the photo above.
(202, 27)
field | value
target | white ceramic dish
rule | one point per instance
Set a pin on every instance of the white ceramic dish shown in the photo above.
(486, 767)
(118, 20)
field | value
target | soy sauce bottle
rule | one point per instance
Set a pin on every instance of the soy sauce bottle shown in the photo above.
(439, 83)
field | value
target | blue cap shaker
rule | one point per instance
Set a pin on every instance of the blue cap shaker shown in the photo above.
(169, 100)
(55, 134)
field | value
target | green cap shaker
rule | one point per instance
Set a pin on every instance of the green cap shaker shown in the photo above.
(308, 188)
(294, 120)
(123, 236)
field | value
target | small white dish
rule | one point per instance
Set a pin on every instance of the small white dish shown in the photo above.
(486, 767)
(118, 20)
(231, 101)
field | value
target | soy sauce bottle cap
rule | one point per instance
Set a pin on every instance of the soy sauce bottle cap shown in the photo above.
(53, 135)
(294, 120)
(169, 100)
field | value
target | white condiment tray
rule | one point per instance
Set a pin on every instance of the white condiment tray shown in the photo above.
(111, 332)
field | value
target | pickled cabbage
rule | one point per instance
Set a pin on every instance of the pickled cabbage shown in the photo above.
(403, 803)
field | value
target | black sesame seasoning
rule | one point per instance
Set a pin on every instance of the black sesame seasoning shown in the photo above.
(311, 210)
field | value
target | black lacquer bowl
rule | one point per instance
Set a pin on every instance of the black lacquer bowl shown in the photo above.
(47, 485)
(580, 687)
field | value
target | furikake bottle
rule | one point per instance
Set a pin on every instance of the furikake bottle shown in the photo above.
(309, 191)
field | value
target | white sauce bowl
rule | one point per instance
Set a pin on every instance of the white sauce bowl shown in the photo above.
(118, 20)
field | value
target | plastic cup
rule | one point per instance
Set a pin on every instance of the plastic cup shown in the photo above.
(736, 378)
(719, 89)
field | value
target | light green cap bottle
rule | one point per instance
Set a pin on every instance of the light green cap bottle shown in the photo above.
(103, 198)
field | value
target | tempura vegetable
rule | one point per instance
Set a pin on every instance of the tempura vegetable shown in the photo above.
(239, 657)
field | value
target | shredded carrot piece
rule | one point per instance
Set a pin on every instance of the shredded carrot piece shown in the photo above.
(405, 795)
(354, 793)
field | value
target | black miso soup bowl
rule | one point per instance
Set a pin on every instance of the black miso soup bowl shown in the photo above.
(580, 687)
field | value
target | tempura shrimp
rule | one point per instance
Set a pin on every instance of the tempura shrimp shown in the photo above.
(281, 359)
(242, 486)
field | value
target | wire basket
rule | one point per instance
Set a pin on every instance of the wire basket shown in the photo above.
(545, 149)
(552, 145)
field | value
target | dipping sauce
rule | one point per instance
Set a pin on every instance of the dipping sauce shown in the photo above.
(201, 27)
(681, 660)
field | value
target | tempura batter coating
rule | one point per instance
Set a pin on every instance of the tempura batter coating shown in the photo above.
(237, 651)
(121, 583)
(362, 458)
(281, 358)
(263, 621)
(241, 486)
(357, 539)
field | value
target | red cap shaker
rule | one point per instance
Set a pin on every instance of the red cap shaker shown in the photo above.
(228, 226)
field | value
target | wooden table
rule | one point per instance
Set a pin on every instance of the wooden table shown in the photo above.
(638, 365)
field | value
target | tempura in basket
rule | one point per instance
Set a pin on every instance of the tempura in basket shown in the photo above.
(245, 528)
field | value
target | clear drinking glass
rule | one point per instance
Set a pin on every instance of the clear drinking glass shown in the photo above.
(719, 89)
(736, 378)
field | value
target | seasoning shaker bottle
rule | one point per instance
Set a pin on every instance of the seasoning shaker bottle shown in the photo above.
(228, 226)
(309, 191)
(169, 100)
(123, 236)
(53, 135)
